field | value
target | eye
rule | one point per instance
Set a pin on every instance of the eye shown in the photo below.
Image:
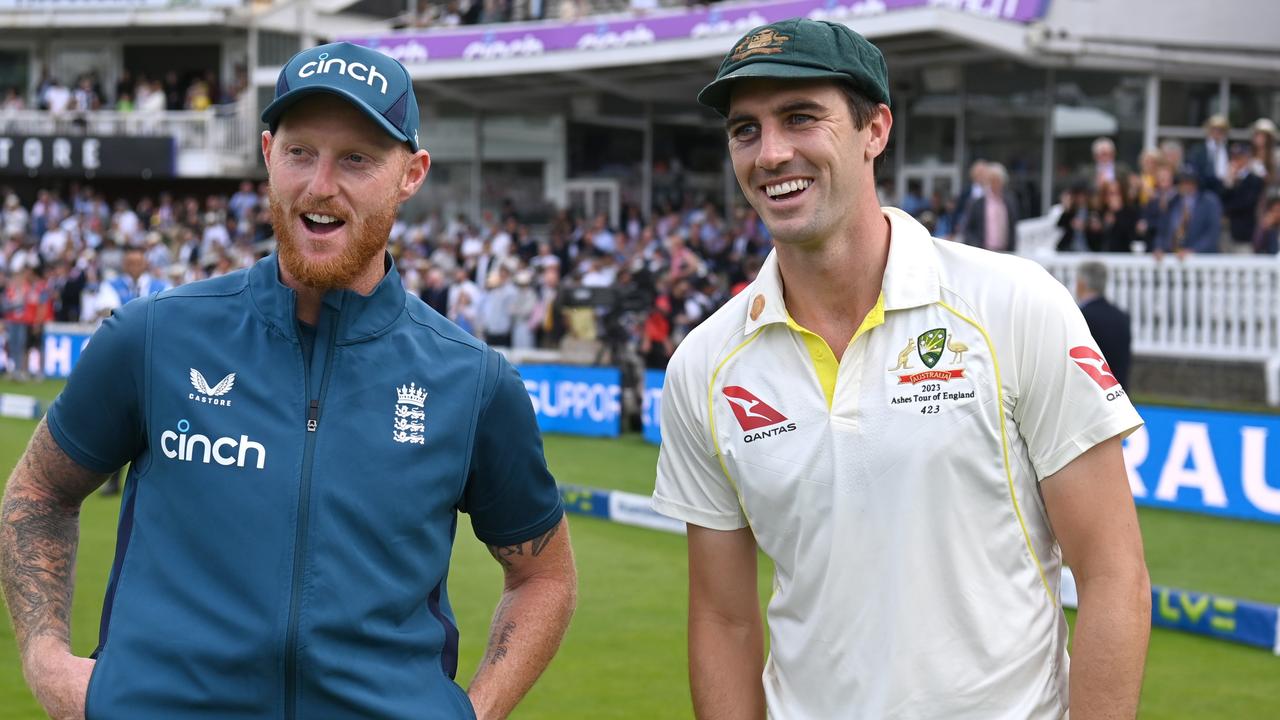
(744, 131)
(799, 119)
(358, 158)
(295, 151)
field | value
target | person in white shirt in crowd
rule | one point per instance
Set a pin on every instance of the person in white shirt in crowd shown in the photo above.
(601, 237)
(158, 253)
(56, 98)
(524, 311)
(59, 238)
(125, 222)
(497, 310)
(14, 217)
(462, 285)
(134, 282)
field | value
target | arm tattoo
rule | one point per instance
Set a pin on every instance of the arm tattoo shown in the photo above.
(503, 553)
(499, 649)
(39, 528)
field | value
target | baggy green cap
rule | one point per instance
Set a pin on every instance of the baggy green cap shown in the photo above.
(800, 49)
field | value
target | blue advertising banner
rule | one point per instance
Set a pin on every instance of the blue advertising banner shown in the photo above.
(651, 410)
(575, 400)
(1205, 461)
(63, 343)
(1224, 618)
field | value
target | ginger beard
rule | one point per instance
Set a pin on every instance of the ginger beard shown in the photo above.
(366, 239)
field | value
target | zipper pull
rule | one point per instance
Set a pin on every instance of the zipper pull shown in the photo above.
(313, 416)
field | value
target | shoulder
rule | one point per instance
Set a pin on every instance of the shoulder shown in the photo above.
(424, 317)
(221, 286)
(709, 344)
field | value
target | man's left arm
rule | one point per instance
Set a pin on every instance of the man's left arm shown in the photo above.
(539, 594)
(1091, 511)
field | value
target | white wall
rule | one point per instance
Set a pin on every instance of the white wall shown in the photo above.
(1233, 24)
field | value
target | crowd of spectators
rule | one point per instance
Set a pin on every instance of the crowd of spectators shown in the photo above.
(1217, 196)
(143, 93)
(633, 291)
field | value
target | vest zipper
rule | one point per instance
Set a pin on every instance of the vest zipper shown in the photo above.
(317, 370)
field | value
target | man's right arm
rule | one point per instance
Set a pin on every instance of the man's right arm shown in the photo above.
(726, 634)
(39, 529)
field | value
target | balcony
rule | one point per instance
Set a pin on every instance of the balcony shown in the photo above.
(218, 142)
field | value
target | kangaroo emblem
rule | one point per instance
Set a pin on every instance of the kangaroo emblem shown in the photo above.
(904, 357)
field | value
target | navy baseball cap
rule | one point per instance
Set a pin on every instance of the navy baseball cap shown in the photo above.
(377, 84)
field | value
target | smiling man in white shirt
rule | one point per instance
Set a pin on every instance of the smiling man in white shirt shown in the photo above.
(918, 434)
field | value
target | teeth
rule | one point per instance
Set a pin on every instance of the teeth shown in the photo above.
(324, 219)
(787, 187)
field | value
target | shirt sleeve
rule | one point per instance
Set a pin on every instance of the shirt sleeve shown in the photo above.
(1066, 399)
(691, 485)
(97, 420)
(510, 494)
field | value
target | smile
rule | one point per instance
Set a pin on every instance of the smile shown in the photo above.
(787, 188)
(321, 224)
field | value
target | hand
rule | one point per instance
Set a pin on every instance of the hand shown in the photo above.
(60, 682)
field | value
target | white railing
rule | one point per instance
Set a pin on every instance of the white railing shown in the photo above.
(224, 129)
(1218, 307)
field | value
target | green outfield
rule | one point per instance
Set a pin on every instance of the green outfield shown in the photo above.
(624, 656)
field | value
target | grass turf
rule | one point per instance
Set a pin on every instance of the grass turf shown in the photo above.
(624, 656)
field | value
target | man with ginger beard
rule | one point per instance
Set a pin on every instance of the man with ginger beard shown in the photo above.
(301, 436)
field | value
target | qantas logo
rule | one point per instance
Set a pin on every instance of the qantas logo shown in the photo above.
(1094, 366)
(753, 413)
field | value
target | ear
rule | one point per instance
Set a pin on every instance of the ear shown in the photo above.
(266, 147)
(879, 127)
(415, 173)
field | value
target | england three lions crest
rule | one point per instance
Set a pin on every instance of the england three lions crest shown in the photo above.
(409, 416)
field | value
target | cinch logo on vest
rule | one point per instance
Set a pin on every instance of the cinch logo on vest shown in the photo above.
(357, 70)
(201, 448)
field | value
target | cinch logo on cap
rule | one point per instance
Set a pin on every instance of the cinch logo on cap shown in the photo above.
(752, 412)
(1094, 366)
(356, 70)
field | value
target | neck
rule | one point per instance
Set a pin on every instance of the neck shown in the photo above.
(829, 287)
(309, 299)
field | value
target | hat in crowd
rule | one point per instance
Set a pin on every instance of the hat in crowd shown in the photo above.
(800, 49)
(1217, 122)
(1265, 125)
(378, 85)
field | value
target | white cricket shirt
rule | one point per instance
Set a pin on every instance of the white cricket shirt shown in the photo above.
(896, 491)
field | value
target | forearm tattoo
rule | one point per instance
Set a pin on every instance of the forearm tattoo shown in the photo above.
(39, 528)
(504, 553)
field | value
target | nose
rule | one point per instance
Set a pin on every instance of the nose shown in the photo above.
(323, 183)
(775, 148)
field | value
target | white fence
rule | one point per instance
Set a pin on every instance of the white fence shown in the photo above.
(1218, 307)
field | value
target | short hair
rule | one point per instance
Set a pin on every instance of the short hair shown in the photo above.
(1093, 275)
(863, 110)
(1103, 143)
(997, 170)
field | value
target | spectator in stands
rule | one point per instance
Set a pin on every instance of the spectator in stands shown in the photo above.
(991, 219)
(1210, 161)
(1074, 223)
(1266, 154)
(1242, 197)
(1148, 160)
(175, 95)
(26, 309)
(56, 98)
(1194, 220)
(1108, 324)
(1105, 168)
(1173, 154)
(1117, 219)
(1266, 239)
(150, 97)
(12, 100)
(13, 218)
(85, 97)
(496, 313)
(1155, 225)
(524, 311)
(134, 282)
(914, 202)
